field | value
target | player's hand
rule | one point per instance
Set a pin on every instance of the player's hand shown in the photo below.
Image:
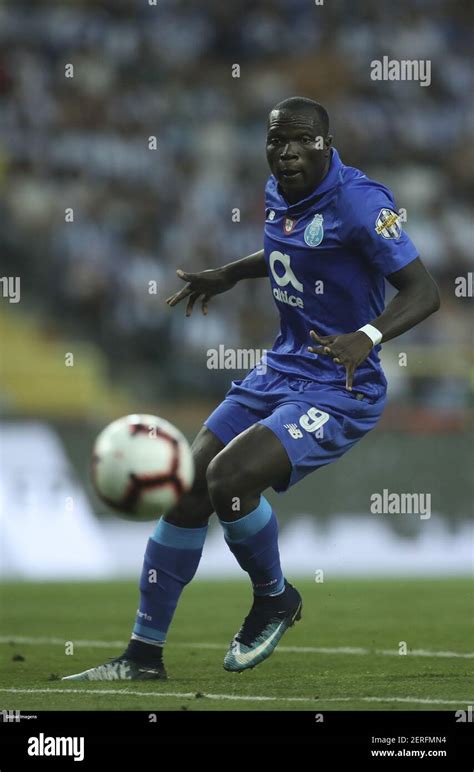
(207, 283)
(349, 350)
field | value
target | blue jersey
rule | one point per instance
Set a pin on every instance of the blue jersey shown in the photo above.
(327, 256)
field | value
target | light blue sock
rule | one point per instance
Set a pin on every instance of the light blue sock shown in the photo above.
(254, 541)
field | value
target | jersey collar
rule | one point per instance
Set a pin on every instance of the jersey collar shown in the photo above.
(330, 181)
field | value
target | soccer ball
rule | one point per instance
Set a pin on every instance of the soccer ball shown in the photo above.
(141, 466)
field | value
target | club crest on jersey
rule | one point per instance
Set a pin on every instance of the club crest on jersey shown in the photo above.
(388, 225)
(288, 224)
(314, 232)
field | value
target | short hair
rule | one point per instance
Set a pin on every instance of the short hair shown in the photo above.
(293, 104)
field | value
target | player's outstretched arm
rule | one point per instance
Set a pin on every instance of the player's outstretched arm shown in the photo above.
(214, 281)
(417, 298)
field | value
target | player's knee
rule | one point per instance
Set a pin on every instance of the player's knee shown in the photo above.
(218, 474)
(225, 476)
(192, 511)
(204, 448)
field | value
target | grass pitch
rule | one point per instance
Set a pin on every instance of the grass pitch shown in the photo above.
(342, 655)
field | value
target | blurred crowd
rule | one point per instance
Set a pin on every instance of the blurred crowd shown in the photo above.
(140, 210)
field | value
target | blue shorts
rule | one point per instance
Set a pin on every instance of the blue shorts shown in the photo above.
(315, 423)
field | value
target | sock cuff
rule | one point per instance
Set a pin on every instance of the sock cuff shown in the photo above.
(250, 524)
(170, 535)
(143, 634)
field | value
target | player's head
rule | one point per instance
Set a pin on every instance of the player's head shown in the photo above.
(298, 145)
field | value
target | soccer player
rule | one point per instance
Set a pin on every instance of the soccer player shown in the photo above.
(332, 237)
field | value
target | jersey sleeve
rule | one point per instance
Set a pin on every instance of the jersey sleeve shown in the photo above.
(375, 227)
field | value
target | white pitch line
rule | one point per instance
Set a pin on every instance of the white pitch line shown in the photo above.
(19, 639)
(237, 697)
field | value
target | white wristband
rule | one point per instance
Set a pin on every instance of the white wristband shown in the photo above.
(372, 332)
